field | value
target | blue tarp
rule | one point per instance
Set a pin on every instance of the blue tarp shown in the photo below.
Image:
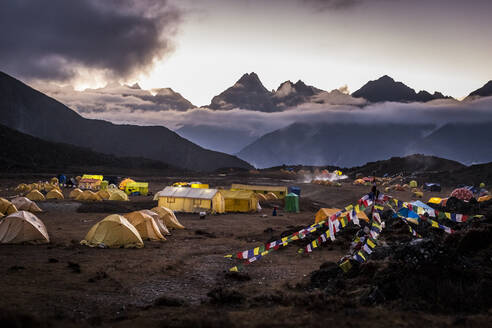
(295, 190)
(421, 204)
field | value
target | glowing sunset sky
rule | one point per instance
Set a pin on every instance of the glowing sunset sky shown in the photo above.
(199, 48)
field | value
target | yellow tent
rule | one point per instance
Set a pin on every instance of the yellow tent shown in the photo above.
(435, 200)
(54, 181)
(137, 187)
(104, 194)
(35, 195)
(48, 187)
(7, 207)
(23, 227)
(484, 198)
(104, 185)
(199, 185)
(191, 200)
(93, 176)
(279, 191)
(21, 188)
(160, 222)
(116, 194)
(413, 184)
(145, 225)
(181, 184)
(25, 204)
(359, 182)
(168, 217)
(88, 195)
(271, 196)
(75, 193)
(239, 200)
(113, 231)
(324, 213)
(54, 194)
(261, 197)
(124, 183)
(92, 184)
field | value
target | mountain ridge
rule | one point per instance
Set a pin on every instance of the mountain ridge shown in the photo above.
(29, 111)
(387, 89)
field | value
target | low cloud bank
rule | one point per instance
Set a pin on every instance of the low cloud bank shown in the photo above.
(132, 109)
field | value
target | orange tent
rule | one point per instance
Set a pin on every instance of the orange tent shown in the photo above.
(324, 213)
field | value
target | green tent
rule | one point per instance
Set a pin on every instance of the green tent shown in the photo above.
(292, 203)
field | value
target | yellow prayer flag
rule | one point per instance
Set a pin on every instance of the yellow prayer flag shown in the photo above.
(345, 266)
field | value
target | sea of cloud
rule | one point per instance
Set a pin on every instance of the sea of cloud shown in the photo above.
(123, 105)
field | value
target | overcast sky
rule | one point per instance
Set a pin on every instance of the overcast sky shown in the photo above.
(201, 47)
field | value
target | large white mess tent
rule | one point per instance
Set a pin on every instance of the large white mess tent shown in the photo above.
(191, 200)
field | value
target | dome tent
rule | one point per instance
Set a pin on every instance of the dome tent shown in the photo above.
(23, 227)
(25, 204)
(160, 223)
(168, 217)
(104, 194)
(114, 231)
(35, 195)
(115, 194)
(145, 225)
(462, 193)
(75, 193)
(6, 207)
(54, 194)
(123, 183)
(325, 213)
(88, 195)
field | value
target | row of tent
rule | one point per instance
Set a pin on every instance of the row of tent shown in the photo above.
(128, 230)
(79, 195)
(107, 194)
(17, 204)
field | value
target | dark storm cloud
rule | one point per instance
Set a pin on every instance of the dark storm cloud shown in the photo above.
(53, 39)
(332, 4)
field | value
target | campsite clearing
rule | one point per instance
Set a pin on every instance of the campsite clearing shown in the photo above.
(184, 281)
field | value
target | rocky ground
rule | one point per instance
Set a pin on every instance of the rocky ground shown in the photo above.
(440, 280)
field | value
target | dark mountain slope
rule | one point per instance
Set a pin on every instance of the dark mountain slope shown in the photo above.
(225, 139)
(407, 165)
(22, 152)
(338, 144)
(485, 91)
(29, 111)
(465, 142)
